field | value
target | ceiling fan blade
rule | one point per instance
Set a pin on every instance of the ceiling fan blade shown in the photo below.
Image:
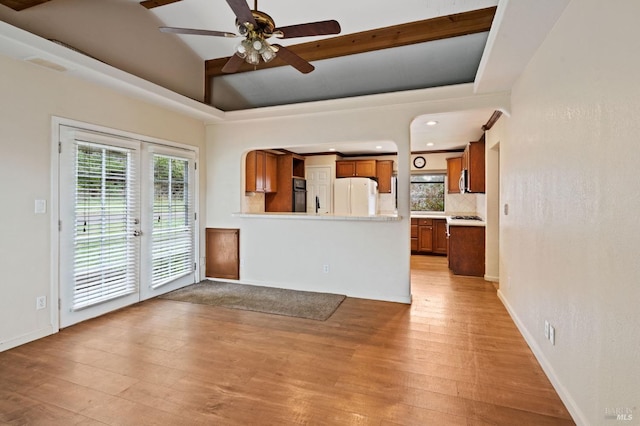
(310, 29)
(196, 32)
(242, 11)
(294, 60)
(233, 64)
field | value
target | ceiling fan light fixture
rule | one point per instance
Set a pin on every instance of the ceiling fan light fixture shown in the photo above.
(257, 44)
(241, 49)
(253, 57)
(268, 54)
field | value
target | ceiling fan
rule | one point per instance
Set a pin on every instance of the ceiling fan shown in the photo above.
(257, 27)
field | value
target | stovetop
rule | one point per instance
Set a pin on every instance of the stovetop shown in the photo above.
(466, 218)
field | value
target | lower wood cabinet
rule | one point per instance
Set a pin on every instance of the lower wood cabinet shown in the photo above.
(440, 236)
(223, 253)
(466, 250)
(429, 236)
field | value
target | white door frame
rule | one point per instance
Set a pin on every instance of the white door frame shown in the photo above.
(54, 205)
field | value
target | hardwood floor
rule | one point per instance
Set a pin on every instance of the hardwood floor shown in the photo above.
(453, 357)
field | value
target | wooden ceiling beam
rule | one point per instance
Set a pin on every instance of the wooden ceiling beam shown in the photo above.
(21, 4)
(455, 25)
(150, 4)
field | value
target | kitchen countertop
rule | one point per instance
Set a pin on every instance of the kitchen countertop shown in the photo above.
(415, 215)
(465, 222)
(314, 216)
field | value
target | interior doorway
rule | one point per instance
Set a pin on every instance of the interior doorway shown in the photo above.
(319, 184)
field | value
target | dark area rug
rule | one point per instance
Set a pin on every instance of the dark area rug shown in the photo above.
(292, 303)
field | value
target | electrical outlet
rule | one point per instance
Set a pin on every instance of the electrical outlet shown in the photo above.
(546, 329)
(552, 335)
(325, 269)
(41, 302)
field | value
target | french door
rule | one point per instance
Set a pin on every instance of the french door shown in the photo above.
(127, 230)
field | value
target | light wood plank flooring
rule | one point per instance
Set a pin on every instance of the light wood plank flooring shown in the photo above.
(453, 357)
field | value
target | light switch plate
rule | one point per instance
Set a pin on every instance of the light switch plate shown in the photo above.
(40, 206)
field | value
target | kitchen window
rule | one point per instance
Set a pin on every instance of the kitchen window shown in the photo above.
(427, 192)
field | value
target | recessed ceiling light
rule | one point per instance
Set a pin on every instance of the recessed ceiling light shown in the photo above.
(431, 123)
(430, 144)
(378, 147)
(332, 149)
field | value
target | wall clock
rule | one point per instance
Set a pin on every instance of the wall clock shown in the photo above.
(419, 162)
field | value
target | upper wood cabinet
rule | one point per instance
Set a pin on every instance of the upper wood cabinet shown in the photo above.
(473, 163)
(454, 168)
(345, 169)
(384, 171)
(270, 172)
(356, 168)
(289, 166)
(261, 172)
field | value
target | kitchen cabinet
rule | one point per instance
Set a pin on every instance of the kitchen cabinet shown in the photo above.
(466, 250)
(439, 236)
(428, 236)
(384, 171)
(356, 168)
(261, 172)
(414, 235)
(454, 168)
(473, 162)
(425, 235)
(288, 167)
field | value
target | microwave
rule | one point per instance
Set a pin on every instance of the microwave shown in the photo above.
(463, 183)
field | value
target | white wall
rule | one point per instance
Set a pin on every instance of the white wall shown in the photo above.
(31, 95)
(570, 242)
(367, 259)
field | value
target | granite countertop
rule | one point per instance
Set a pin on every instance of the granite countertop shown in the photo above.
(419, 215)
(314, 216)
(465, 222)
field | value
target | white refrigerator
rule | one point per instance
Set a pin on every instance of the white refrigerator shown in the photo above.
(355, 197)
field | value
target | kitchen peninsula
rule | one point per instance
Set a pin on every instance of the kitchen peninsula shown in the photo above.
(466, 236)
(316, 216)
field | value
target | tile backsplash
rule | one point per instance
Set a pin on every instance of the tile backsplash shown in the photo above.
(253, 203)
(462, 203)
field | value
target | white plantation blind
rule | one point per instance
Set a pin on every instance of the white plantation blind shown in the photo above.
(105, 248)
(173, 220)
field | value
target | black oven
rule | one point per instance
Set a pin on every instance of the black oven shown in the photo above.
(299, 195)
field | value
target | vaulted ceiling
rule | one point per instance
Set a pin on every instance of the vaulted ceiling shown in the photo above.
(383, 47)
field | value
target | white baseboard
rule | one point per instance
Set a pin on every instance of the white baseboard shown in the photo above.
(26, 338)
(492, 279)
(575, 411)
